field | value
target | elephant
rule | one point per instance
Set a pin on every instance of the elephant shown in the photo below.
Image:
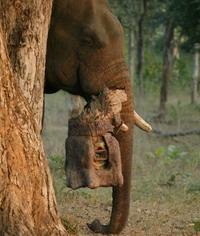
(85, 54)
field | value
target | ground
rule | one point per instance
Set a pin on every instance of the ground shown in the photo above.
(165, 196)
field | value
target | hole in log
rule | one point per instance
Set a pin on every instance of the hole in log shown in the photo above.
(101, 160)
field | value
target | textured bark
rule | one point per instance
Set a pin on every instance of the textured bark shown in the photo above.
(195, 76)
(169, 33)
(27, 200)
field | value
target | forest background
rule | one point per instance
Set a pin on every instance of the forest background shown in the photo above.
(162, 51)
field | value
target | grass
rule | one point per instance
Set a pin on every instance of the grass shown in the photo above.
(166, 175)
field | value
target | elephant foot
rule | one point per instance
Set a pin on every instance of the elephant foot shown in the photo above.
(97, 227)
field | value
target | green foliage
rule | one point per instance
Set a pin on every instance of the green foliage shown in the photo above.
(153, 66)
(159, 152)
(186, 14)
(56, 164)
(193, 187)
(182, 71)
(172, 167)
(185, 17)
(197, 226)
(181, 75)
(127, 11)
(171, 152)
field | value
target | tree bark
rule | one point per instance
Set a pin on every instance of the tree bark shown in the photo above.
(195, 75)
(140, 47)
(169, 33)
(27, 200)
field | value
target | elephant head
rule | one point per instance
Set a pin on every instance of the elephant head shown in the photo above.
(84, 55)
(85, 47)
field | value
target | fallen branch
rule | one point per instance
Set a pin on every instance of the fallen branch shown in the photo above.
(175, 134)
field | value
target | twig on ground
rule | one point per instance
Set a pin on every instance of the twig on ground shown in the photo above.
(178, 133)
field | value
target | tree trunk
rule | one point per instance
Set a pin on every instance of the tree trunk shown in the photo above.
(27, 200)
(169, 32)
(140, 47)
(195, 75)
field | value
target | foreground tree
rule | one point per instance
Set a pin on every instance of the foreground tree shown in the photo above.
(27, 200)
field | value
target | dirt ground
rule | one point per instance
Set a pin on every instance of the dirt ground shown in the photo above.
(146, 219)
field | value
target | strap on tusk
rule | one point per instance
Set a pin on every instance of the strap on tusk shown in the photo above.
(140, 123)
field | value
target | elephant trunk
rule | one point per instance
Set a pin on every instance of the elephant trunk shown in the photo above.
(121, 195)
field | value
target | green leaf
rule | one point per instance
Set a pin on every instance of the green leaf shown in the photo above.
(195, 187)
(159, 152)
(172, 151)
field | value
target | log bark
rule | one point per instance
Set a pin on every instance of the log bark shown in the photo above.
(27, 200)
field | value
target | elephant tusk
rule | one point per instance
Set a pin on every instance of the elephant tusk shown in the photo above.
(141, 123)
(124, 127)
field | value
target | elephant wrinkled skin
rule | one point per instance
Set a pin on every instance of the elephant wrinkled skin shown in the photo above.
(84, 55)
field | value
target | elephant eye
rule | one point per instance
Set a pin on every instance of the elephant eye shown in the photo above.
(87, 41)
